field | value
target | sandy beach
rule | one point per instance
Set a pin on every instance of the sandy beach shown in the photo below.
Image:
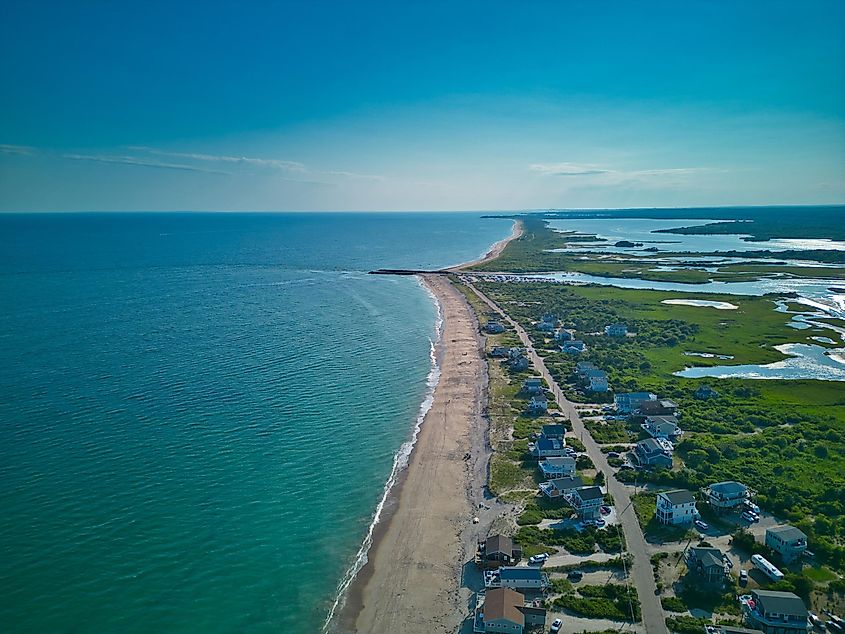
(494, 252)
(413, 581)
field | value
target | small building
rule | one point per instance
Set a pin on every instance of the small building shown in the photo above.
(628, 402)
(706, 563)
(553, 431)
(651, 452)
(500, 352)
(545, 326)
(505, 610)
(616, 330)
(587, 501)
(516, 578)
(533, 385)
(554, 468)
(560, 487)
(582, 367)
(662, 427)
(499, 550)
(662, 407)
(550, 448)
(789, 542)
(494, 327)
(726, 496)
(518, 364)
(538, 405)
(776, 612)
(705, 392)
(574, 347)
(676, 507)
(549, 318)
(562, 335)
(597, 381)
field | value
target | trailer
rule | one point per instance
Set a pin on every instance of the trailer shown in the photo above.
(769, 569)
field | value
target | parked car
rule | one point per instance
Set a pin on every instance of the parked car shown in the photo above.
(612, 454)
(575, 575)
(702, 526)
(743, 577)
(752, 507)
(556, 625)
(600, 523)
(605, 510)
(749, 517)
(727, 561)
(538, 559)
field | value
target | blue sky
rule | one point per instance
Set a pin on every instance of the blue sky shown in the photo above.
(436, 105)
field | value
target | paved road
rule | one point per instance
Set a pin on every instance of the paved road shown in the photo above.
(642, 574)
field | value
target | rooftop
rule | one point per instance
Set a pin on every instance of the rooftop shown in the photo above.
(786, 532)
(679, 496)
(773, 602)
(589, 493)
(728, 488)
(503, 603)
(520, 572)
(498, 544)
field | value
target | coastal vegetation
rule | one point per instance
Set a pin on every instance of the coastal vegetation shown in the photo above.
(609, 601)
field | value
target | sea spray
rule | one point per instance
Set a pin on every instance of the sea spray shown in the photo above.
(400, 461)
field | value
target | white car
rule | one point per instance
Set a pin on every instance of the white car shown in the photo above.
(556, 625)
(702, 526)
(538, 559)
(748, 516)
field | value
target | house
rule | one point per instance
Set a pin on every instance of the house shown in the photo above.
(599, 383)
(705, 392)
(558, 487)
(549, 448)
(627, 403)
(553, 468)
(662, 427)
(545, 326)
(587, 501)
(574, 347)
(532, 386)
(549, 318)
(789, 542)
(538, 405)
(776, 612)
(663, 407)
(706, 563)
(505, 610)
(725, 496)
(654, 452)
(516, 578)
(676, 507)
(518, 364)
(494, 327)
(616, 330)
(562, 335)
(583, 366)
(500, 352)
(498, 550)
(553, 431)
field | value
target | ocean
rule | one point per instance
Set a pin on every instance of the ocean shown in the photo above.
(199, 412)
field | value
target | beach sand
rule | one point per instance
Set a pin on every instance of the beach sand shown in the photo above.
(415, 579)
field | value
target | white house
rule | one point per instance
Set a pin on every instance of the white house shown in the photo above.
(560, 487)
(662, 427)
(538, 404)
(553, 468)
(574, 347)
(616, 330)
(724, 496)
(549, 448)
(789, 542)
(676, 507)
(516, 578)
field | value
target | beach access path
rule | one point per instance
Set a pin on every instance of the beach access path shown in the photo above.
(642, 575)
(413, 580)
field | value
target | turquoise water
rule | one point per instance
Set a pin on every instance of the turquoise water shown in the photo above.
(198, 412)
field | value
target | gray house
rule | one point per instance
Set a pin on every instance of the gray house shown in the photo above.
(652, 453)
(789, 542)
(706, 563)
(776, 612)
(726, 496)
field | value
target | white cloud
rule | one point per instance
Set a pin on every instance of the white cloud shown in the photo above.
(6, 148)
(132, 160)
(602, 175)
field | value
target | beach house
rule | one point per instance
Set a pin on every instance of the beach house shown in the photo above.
(500, 352)
(574, 347)
(498, 550)
(562, 335)
(533, 385)
(545, 326)
(560, 487)
(662, 407)
(582, 366)
(654, 452)
(662, 427)
(553, 431)
(506, 610)
(789, 542)
(616, 330)
(586, 501)
(538, 405)
(707, 564)
(676, 507)
(494, 327)
(596, 381)
(518, 363)
(628, 402)
(549, 448)
(516, 578)
(553, 468)
(726, 496)
(776, 612)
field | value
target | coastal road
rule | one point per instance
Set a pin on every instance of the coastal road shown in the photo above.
(641, 572)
